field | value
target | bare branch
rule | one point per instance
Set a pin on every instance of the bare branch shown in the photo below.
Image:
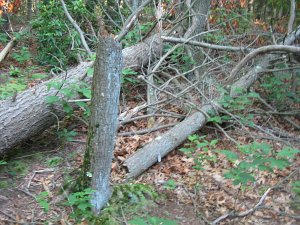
(75, 25)
(206, 45)
(262, 50)
(129, 22)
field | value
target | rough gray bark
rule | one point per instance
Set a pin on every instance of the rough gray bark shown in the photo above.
(29, 114)
(104, 119)
(199, 10)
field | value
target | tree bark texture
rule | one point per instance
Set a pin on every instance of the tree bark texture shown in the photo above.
(28, 114)
(104, 119)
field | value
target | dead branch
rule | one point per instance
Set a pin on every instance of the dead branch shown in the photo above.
(206, 45)
(262, 50)
(75, 25)
(243, 214)
(146, 131)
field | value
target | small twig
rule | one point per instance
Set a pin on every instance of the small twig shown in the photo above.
(147, 116)
(9, 216)
(145, 131)
(243, 214)
(25, 156)
(27, 193)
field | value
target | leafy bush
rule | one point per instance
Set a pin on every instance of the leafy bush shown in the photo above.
(250, 159)
(58, 42)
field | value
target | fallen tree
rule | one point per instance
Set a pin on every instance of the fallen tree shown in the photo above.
(28, 114)
(7, 49)
(162, 145)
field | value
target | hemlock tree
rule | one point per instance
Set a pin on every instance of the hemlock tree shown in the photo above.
(103, 121)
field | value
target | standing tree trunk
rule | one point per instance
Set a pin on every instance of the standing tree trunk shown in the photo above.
(104, 120)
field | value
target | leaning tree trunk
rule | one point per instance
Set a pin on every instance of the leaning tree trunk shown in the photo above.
(28, 114)
(103, 121)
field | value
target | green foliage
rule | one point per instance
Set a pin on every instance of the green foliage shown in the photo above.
(256, 157)
(3, 38)
(17, 167)
(179, 58)
(152, 221)
(250, 159)
(80, 202)
(2, 162)
(4, 184)
(134, 36)
(14, 71)
(58, 42)
(196, 143)
(42, 199)
(68, 92)
(54, 161)
(296, 187)
(237, 106)
(17, 80)
(236, 21)
(66, 135)
(23, 56)
(278, 89)
(170, 184)
(128, 199)
(295, 201)
(128, 76)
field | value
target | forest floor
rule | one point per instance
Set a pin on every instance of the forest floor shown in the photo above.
(46, 163)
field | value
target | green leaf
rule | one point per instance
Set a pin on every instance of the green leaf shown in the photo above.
(231, 156)
(138, 221)
(244, 178)
(128, 71)
(288, 152)
(193, 137)
(187, 150)
(215, 119)
(52, 99)
(67, 92)
(202, 144)
(279, 163)
(86, 92)
(39, 76)
(213, 142)
(170, 184)
(90, 71)
(2, 162)
(253, 95)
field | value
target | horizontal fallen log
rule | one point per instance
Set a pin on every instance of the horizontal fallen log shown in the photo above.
(28, 114)
(162, 145)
